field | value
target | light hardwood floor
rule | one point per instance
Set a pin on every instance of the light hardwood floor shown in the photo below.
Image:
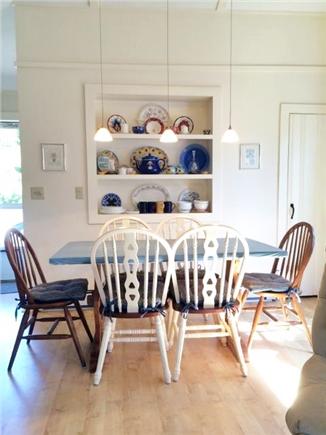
(49, 393)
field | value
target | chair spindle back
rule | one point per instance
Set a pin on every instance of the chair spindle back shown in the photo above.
(299, 243)
(173, 227)
(140, 251)
(221, 253)
(23, 260)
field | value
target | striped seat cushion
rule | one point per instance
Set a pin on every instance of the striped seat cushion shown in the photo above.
(258, 282)
(59, 291)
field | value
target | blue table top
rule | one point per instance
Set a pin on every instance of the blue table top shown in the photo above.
(79, 252)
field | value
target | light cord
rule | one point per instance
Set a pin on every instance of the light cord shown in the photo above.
(231, 61)
(167, 57)
(101, 57)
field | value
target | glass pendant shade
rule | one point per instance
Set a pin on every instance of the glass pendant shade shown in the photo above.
(230, 136)
(168, 136)
(103, 135)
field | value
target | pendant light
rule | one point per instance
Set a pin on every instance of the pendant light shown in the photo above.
(230, 135)
(102, 134)
(168, 135)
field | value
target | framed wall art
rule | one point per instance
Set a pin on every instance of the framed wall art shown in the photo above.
(249, 156)
(53, 156)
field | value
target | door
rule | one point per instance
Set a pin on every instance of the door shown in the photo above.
(306, 187)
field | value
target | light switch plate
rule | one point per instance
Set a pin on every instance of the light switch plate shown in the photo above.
(37, 193)
(79, 192)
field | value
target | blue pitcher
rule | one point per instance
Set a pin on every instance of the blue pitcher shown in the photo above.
(150, 164)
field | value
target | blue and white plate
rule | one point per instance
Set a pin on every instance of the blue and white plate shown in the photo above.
(194, 155)
(111, 199)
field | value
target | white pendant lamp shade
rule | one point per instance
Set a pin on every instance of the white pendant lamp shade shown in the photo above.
(103, 135)
(230, 136)
(168, 136)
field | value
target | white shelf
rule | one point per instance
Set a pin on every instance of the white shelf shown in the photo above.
(157, 136)
(155, 217)
(133, 177)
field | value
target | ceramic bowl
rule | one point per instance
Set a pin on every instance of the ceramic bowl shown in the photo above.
(184, 206)
(111, 209)
(200, 205)
(138, 129)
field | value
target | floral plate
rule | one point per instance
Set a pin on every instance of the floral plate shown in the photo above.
(145, 151)
(107, 162)
(153, 111)
(154, 126)
(183, 120)
(111, 199)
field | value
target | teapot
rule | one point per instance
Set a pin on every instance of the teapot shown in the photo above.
(150, 164)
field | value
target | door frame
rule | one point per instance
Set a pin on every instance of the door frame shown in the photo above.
(285, 112)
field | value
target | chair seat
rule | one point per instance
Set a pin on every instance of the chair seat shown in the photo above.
(60, 291)
(183, 298)
(259, 282)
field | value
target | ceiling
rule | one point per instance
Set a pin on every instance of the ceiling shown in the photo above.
(7, 25)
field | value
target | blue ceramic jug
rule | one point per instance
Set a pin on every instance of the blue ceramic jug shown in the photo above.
(150, 165)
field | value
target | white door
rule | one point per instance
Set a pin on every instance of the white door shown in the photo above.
(306, 187)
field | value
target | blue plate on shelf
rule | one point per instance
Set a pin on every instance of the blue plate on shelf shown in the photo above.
(111, 199)
(194, 156)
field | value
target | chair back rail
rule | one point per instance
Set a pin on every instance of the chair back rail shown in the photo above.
(299, 243)
(173, 227)
(123, 222)
(139, 250)
(224, 252)
(24, 262)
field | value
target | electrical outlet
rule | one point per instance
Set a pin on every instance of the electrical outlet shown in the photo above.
(37, 193)
(79, 192)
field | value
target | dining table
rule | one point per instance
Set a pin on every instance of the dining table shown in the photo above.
(79, 253)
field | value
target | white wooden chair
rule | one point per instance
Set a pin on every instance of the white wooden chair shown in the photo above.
(123, 222)
(134, 294)
(223, 253)
(171, 229)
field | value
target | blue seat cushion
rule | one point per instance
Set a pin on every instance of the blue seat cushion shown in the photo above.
(259, 282)
(59, 291)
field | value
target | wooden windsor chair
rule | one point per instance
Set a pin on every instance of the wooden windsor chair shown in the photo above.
(36, 294)
(284, 281)
(136, 293)
(222, 252)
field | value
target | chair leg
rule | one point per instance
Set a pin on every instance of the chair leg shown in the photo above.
(300, 313)
(237, 343)
(257, 315)
(165, 335)
(161, 342)
(20, 333)
(111, 343)
(170, 318)
(180, 343)
(74, 336)
(83, 320)
(283, 306)
(104, 345)
(31, 328)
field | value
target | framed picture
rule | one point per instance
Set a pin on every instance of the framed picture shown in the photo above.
(249, 156)
(53, 156)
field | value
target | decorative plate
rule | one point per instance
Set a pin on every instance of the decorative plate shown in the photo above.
(139, 153)
(107, 162)
(183, 120)
(115, 122)
(154, 126)
(153, 111)
(188, 195)
(194, 155)
(111, 199)
(144, 193)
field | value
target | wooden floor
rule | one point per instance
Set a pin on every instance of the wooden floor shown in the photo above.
(49, 393)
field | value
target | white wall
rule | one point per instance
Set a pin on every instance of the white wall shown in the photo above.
(281, 59)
